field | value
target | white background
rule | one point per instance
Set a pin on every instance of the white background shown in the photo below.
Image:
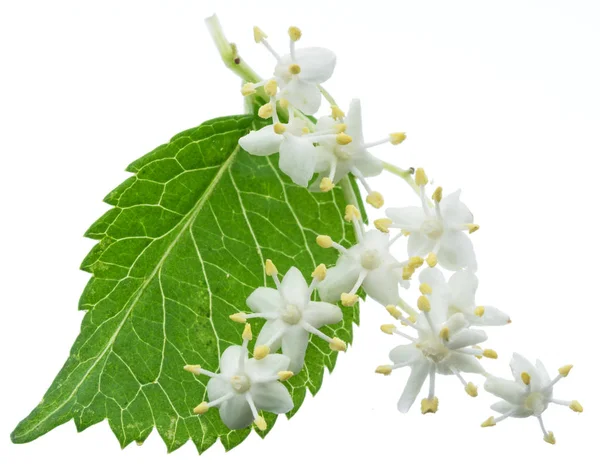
(500, 98)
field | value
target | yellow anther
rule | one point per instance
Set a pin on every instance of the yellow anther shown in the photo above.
(489, 422)
(407, 272)
(324, 241)
(424, 288)
(337, 345)
(239, 317)
(270, 268)
(193, 368)
(201, 408)
(260, 352)
(431, 259)
(420, 177)
(397, 138)
(490, 353)
(437, 194)
(412, 319)
(337, 113)
(284, 103)
(248, 89)
(471, 389)
(429, 405)
(340, 127)
(423, 304)
(383, 224)
(260, 423)
(271, 88)
(294, 33)
(479, 311)
(247, 333)
(549, 438)
(259, 35)
(349, 299)
(284, 375)
(564, 370)
(473, 227)
(385, 370)
(266, 111)
(305, 130)
(388, 328)
(393, 310)
(415, 261)
(576, 406)
(445, 333)
(375, 199)
(526, 378)
(405, 232)
(326, 185)
(320, 272)
(342, 139)
(478, 356)
(279, 128)
(351, 213)
(294, 68)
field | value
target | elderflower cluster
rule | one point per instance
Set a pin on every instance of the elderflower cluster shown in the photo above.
(444, 332)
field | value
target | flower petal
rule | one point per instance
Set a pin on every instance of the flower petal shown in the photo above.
(265, 141)
(404, 354)
(419, 245)
(504, 407)
(520, 364)
(294, 288)
(339, 279)
(508, 390)
(323, 159)
(230, 360)
(463, 286)
(542, 373)
(418, 374)
(316, 64)
(266, 367)
(266, 300)
(454, 211)
(268, 331)
(353, 122)
(465, 363)
(381, 284)
(367, 164)
(407, 218)
(293, 345)
(466, 337)
(297, 159)
(272, 397)
(217, 387)
(491, 316)
(305, 96)
(236, 413)
(318, 314)
(456, 251)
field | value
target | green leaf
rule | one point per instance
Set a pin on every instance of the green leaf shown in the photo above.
(181, 249)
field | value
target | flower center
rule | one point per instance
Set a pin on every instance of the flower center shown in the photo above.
(536, 402)
(341, 154)
(240, 383)
(432, 228)
(434, 349)
(291, 314)
(370, 259)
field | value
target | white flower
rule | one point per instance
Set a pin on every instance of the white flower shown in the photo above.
(528, 395)
(439, 231)
(369, 264)
(458, 296)
(442, 346)
(245, 386)
(335, 160)
(291, 316)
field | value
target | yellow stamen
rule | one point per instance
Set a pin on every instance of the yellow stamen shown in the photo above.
(526, 378)
(405, 232)
(437, 194)
(247, 333)
(239, 317)
(294, 68)
(351, 213)
(349, 299)
(326, 185)
(305, 130)
(473, 227)
(266, 111)
(284, 103)
(431, 259)
(429, 406)
(294, 33)
(550, 438)
(445, 333)
(564, 370)
(576, 406)
(407, 272)
(260, 352)
(393, 310)
(375, 199)
(424, 288)
(284, 375)
(260, 423)
(471, 389)
(423, 304)
(337, 345)
(342, 139)
(415, 262)
(324, 241)
(193, 368)
(248, 89)
(340, 127)
(320, 272)
(388, 328)
(271, 88)
(383, 224)
(490, 353)
(270, 268)
(420, 177)
(397, 138)
(412, 319)
(479, 311)
(259, 35)
(337, 113)
(385, 370)
(279, 128)
(201, 408)
(489, 422)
